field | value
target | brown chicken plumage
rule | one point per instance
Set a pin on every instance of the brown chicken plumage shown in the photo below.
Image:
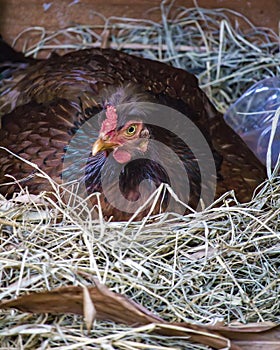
(54, 99)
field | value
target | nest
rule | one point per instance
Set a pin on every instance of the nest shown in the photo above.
(218, 264)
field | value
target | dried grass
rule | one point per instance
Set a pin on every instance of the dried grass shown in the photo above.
(222, 263)
(219, 264)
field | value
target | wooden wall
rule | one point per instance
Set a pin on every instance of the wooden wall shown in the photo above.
(16, 15)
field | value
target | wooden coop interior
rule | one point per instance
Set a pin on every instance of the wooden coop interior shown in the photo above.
(15, 16)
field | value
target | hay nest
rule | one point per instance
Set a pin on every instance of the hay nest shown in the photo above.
(219, 264)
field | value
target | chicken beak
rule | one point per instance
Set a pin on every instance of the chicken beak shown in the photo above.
(102, 145)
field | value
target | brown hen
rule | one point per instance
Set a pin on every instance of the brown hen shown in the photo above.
(99, 117)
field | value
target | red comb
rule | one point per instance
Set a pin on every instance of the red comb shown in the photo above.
(110, 123)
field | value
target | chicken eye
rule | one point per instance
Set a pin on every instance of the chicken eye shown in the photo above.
(131, 130)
